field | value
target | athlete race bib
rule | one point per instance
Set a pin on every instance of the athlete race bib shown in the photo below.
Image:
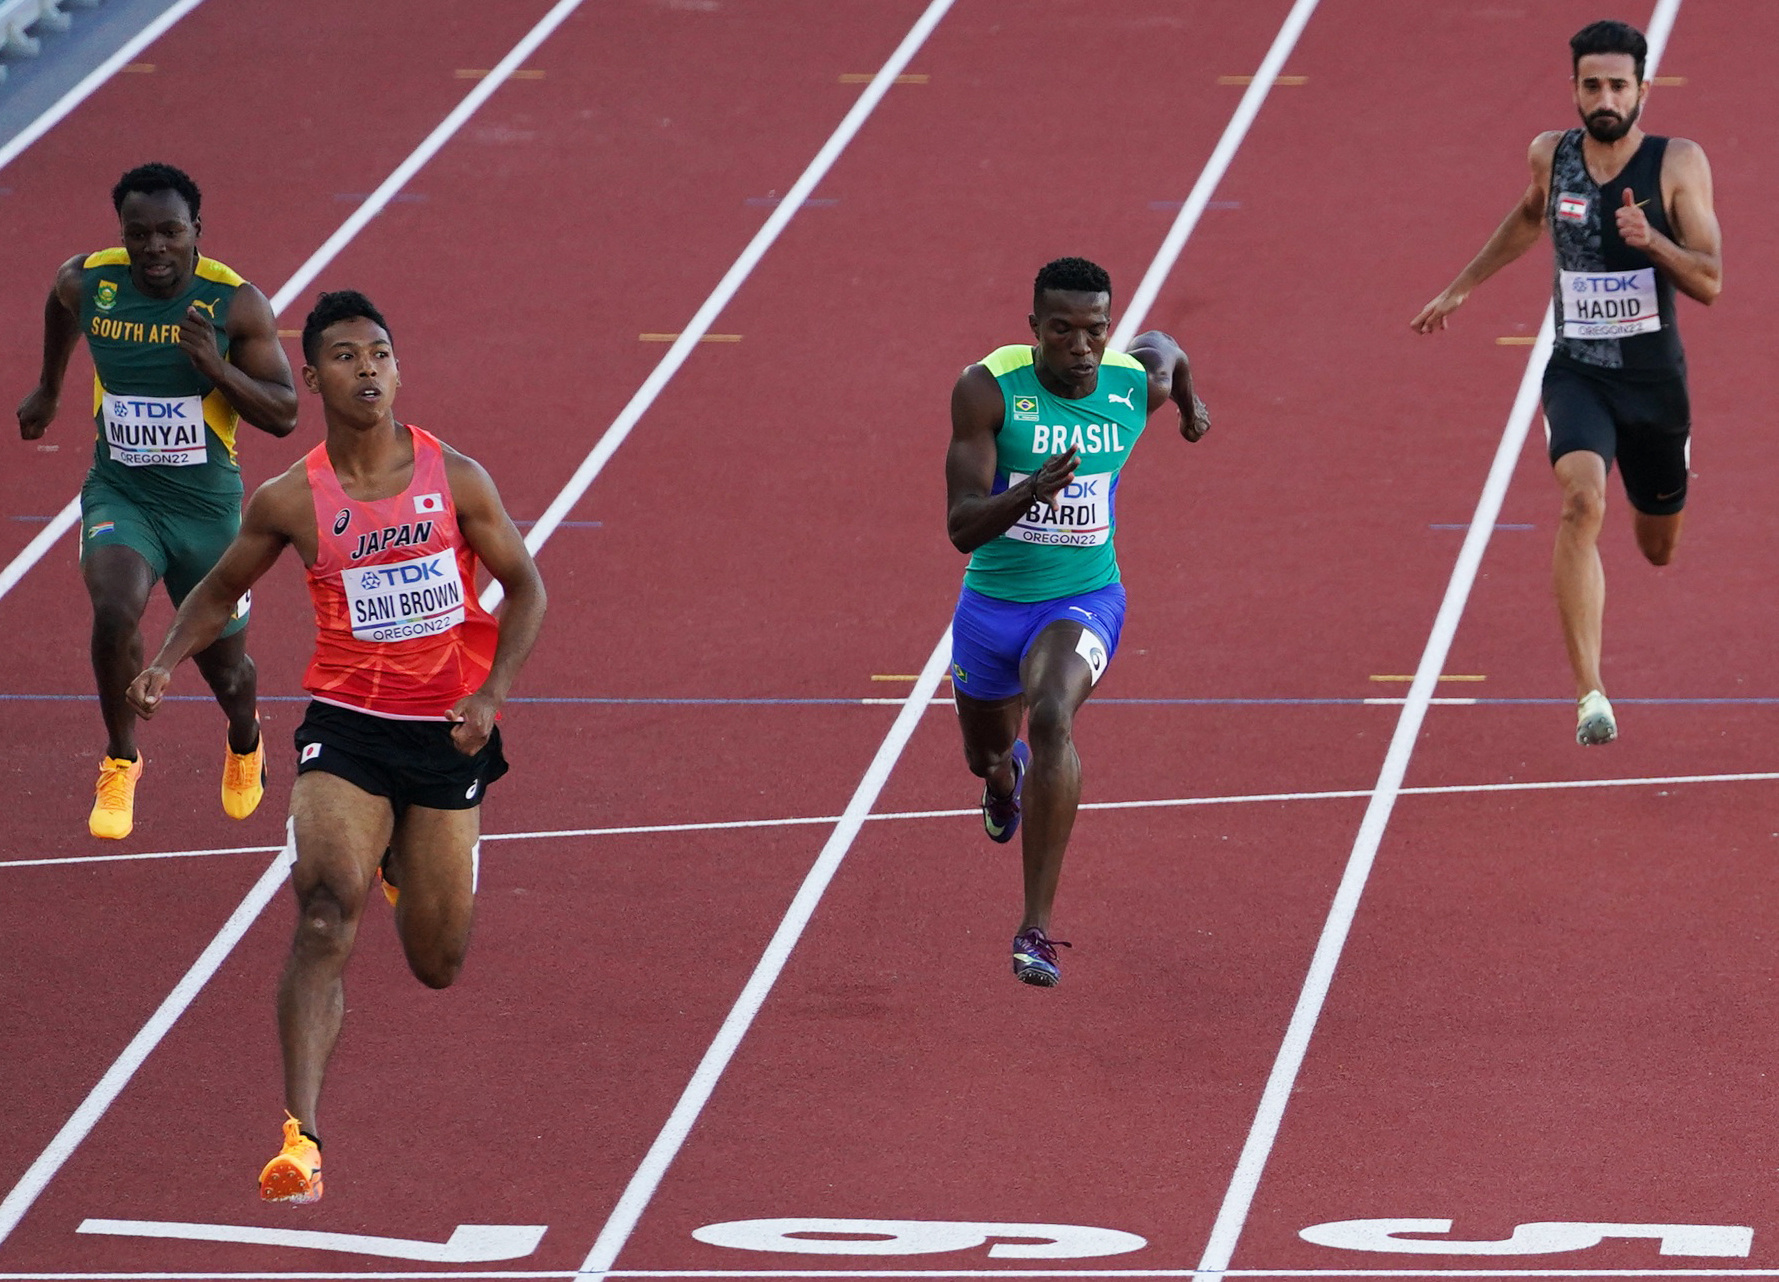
(1081, 516)
(404, 599)
(1610, 304)
(155, 431)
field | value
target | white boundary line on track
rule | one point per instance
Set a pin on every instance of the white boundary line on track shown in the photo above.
(642, 1185)
(92, 1108)
(1238, 1198)
(39, 547)
(19, 1201)
(796, 821)
(90, 83)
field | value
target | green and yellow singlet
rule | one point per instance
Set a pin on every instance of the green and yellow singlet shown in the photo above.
(1065, 549)
(164, 432)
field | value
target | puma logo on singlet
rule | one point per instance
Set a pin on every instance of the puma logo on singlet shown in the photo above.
(208, 307)
(1125, 399)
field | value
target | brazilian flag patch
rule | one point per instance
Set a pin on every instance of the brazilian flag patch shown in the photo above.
(1025, 409)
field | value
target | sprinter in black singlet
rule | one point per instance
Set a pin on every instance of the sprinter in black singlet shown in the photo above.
(1631, 221)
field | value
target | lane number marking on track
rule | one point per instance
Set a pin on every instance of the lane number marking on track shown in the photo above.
(468, 1243)
(919, 1237)
(1543, 1237)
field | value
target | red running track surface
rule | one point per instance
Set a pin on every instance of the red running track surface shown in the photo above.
(1551, 1005)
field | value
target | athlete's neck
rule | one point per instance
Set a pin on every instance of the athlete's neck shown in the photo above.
(1606, 160)
(365, 456)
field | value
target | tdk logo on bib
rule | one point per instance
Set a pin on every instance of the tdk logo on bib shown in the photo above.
(1610, 304)
(145, 432)
(405, 599)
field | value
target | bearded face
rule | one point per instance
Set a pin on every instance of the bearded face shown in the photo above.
(1607, 125)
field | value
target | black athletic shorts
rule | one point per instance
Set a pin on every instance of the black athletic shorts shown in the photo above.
(1646, 426)
(413, 763)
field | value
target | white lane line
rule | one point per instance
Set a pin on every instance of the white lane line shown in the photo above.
(733, 279)
(37, 548)
(887, 816)
(648, 1177)
(93, 79)
(1238, 1198)
(641, 1188)
(93, 1107)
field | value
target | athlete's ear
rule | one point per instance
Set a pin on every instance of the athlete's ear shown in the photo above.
(197, 227)
(311, 379)
(1032, 320)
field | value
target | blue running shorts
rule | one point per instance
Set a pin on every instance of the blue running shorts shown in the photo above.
(989, 637)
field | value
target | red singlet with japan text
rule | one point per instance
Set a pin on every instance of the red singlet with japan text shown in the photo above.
(399, 631)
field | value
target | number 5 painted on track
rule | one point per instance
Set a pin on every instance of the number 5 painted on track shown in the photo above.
(919, 1237)
(1543, 1237)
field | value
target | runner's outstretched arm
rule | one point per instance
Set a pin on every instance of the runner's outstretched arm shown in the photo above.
(490, 533)
(266, 527)
(1518, 232)
(61, 331)
(1170, 378)
(256, 377)
(973, 515)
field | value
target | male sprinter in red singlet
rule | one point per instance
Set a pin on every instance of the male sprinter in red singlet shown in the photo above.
(183, 351)
(1038, 437)
(399, 745)
(1631, 220)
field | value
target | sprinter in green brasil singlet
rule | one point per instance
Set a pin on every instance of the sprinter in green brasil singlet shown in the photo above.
(183, 348)
(1038, 437)
(1631, 220)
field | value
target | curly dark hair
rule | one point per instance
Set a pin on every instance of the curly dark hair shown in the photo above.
(331, 309)
(154, 177)
(1071, 275)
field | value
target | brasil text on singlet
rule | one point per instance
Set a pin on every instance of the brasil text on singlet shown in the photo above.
(162, 430)
(1064, 549)
(1615, 311)
(399, 630)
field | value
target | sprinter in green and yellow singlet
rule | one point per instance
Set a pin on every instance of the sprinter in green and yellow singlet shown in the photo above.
(1039, 435)
(183, 349)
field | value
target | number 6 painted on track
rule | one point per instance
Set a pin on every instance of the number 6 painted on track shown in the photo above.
(918, 1237)
(1543, 1237)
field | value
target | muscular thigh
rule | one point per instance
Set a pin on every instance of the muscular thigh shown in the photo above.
(341, 832)
(436, 856)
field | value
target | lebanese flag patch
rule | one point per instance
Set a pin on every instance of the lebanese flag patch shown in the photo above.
(429, 503)
(1572, 207)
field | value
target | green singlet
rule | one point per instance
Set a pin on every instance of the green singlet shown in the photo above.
(164, 480)
(165, 434)
(1064, 550)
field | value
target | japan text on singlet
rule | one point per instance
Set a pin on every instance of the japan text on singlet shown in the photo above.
(1614, 310)
(1065, 549)
(399, 631)
(163, 431)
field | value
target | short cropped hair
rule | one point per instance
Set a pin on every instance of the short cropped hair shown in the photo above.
(1071, 275)
(154, 177)
(1609, 37)
(331, 309)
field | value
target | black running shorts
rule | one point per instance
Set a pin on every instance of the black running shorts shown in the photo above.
(413, 763)
(1645, 426)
